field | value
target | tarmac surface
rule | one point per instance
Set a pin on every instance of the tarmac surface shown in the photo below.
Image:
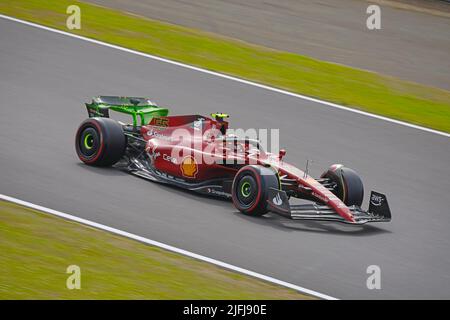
(46, 77)
(413, 42)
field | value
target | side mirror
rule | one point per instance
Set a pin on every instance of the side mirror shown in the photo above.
(281, 154)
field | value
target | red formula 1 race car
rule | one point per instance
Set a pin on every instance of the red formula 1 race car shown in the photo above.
(196, 153)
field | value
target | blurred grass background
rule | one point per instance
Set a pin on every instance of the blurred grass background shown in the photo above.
(387, 96)
(37, 248)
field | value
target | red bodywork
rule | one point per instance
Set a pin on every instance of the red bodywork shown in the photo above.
(194, 150)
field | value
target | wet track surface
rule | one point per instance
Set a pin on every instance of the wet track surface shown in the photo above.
(44, 80)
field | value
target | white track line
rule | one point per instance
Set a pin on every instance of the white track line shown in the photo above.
(329, 104)
(166, 247)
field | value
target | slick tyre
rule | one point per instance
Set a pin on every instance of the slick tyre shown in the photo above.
(100, 142)
(349, 186)
(250, 189)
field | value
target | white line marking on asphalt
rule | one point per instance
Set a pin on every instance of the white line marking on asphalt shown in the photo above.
(166, 247)
(329, 104)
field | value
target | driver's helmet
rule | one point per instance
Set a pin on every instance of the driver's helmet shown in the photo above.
(220, 118)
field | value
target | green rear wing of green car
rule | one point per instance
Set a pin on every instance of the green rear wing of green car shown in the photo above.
(142, 110)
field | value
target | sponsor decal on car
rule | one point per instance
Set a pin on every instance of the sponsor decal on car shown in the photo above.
(97, 113)
(161, 122)
(218, 192)
(198, 124)
(189, 167)
(277, 200)
(154, 133)
(376, 200)
(154, 155)
(170, 159)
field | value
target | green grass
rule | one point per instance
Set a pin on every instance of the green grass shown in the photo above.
(356, 88)
(36, 249)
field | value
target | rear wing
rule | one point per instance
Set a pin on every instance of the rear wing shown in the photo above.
(142, 110)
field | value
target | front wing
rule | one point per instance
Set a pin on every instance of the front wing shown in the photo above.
(278, 202)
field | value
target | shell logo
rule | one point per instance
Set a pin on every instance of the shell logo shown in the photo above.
(189, 167)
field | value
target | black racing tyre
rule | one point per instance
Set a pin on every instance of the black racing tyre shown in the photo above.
(349, 186)
(250, 189)
(100, 142)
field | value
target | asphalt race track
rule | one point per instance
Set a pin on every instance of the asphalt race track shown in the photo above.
(411, 45)
(46, 77)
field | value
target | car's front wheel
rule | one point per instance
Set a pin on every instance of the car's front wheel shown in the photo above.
(349, 187)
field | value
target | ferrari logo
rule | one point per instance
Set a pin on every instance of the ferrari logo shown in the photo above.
(189, 167)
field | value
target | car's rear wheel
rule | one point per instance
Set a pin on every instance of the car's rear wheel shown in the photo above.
(100, 141)
(250, 189)
(349, 186)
